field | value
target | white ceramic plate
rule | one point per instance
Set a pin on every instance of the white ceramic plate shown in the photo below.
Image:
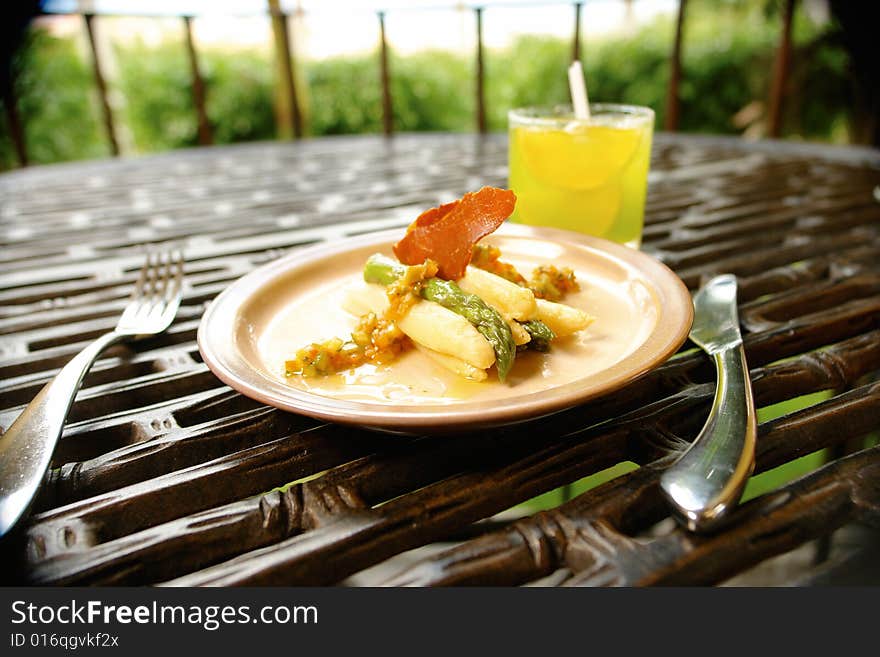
(643, 312)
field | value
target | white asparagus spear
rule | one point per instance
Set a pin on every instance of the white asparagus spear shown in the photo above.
(562, 319)
(453, 364)
(507, 298)
(520, 335)
(428, 324)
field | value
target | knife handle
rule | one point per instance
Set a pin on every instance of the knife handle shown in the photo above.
(708, 479)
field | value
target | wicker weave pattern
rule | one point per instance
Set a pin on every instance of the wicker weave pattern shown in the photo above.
(162, 474)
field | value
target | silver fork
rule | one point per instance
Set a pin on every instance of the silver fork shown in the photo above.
(27, 445)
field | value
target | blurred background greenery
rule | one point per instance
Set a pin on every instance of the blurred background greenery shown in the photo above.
(727, 59)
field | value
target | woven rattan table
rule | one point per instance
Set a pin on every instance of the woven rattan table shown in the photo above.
(166, 476)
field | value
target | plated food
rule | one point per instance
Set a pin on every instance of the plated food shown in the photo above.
(451, 297)
(643, 313)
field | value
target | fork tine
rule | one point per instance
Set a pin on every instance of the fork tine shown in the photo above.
(138, 303)
(160, 270)
(174, 290)
(145, 290)
(163, 273)
(142, 278)
(155, 269)
(180, 265)
(157, 294)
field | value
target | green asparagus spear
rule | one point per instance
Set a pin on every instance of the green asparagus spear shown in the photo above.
(481, 315)
(382, 270)
(484, 317)
(541, 334)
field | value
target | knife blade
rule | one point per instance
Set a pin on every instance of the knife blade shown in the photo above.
(707, 481)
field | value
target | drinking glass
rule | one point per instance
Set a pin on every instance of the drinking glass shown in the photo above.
(583, 175)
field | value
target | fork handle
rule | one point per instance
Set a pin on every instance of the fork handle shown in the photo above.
(27, 445)
(709, 478)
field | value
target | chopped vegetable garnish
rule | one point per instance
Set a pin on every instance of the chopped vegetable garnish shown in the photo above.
(374, 339)
(447, 234)
(550, 283)
(547, 281)
(488, 257)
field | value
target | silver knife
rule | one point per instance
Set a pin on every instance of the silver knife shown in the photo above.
(708, 480)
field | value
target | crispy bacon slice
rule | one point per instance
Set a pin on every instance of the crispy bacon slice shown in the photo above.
(432, 216)
(447, 234)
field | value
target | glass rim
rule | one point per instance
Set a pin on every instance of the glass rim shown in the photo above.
(551, 115)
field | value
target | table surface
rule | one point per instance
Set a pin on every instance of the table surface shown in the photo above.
(165, 475)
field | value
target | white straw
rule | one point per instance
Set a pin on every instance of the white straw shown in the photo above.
(578, 91)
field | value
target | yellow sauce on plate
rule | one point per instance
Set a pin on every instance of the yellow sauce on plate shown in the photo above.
(625, 310)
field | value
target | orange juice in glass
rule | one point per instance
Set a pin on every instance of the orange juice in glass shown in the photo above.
(588, 175)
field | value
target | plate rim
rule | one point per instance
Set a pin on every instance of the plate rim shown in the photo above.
(665, 338)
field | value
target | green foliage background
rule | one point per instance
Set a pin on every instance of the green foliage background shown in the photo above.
(55, 102)
(728, 56)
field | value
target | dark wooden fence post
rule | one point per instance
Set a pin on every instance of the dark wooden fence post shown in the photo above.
(780, 73)
(205, 137)
(576, 46)
(387, 119)
(102, 86)
(672, 98)
(16, 130)
(291, 115)
(481, 96)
